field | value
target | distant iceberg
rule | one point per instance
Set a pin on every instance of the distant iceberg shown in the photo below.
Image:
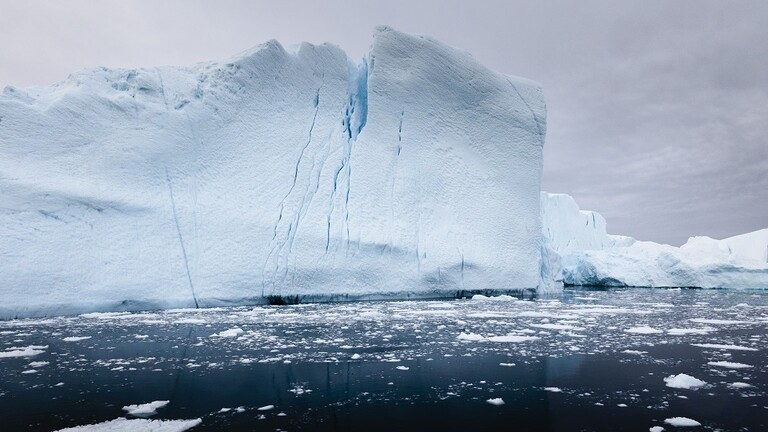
(278, 172)
(576, 250)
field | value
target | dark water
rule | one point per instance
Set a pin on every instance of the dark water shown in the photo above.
(401, 365)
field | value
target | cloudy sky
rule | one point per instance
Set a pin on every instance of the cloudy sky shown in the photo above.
(658, 110)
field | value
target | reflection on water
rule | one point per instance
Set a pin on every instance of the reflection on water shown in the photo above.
(584, 360)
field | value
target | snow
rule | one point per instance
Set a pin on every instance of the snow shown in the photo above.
(729, 365)
(683, 381)
(145, 410)
(277, 172)
(681, 422)
(577, 250)
(137, 425)
(496, 401)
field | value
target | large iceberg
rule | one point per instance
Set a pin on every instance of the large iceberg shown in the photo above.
(275, 173)
(576, 250)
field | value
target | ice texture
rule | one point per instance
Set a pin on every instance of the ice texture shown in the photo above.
(278, 172)
(576, 250)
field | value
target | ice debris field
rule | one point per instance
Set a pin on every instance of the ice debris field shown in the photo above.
(618, 359)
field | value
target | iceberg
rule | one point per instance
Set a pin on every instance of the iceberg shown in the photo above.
(576, 250)
(278, 172)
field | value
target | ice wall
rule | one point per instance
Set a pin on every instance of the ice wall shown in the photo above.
(276, 172)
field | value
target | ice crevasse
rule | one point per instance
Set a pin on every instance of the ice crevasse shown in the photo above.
(278, 172)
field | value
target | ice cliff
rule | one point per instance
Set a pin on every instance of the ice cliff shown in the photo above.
(275, 173)
(576, 250)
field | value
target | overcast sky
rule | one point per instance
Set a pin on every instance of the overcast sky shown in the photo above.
(658, 110)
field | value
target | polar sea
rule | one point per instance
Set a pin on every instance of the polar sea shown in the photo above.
(581, 359)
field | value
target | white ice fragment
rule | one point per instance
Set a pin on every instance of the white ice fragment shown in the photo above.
(145, 410)
(729, 365)
(724, 347)
(496, 401)
(266, 408)
(683, 381)
(76, 338)
(512, 338)
(29, 351)
(471, 337)
(553, 389)
(402, 368)
(233, 332)
(643, 330)
(682, 422)
(137, 425)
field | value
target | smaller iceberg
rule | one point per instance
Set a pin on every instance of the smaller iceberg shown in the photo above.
(577, 250)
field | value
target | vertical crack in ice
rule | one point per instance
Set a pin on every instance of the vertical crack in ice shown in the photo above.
(279, 245)
(181, 238)
(162, 88)
(539, 131)
(353, 122)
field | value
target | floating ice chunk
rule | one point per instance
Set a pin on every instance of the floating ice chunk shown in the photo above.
(729, 365)
(553, 389)
(190, 321)
(496, 401)
(402, 368)
(634, 352)
(471, 337)
(145, 410)
(683, 381)
(740, 385)
(38, 364)
(557, 326)
(76, 338)
(656, 429)
(687, 331)
(725, 347)
(356, 356)
(506, 364)
(512, 338)
(233, 332)
(502, 297)
(137, 425)
(717, 321)
(266, 408)
(643, 330)
(682, 422)
(29, 351)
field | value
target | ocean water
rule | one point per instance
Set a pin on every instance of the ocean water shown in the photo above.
(579, 360)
